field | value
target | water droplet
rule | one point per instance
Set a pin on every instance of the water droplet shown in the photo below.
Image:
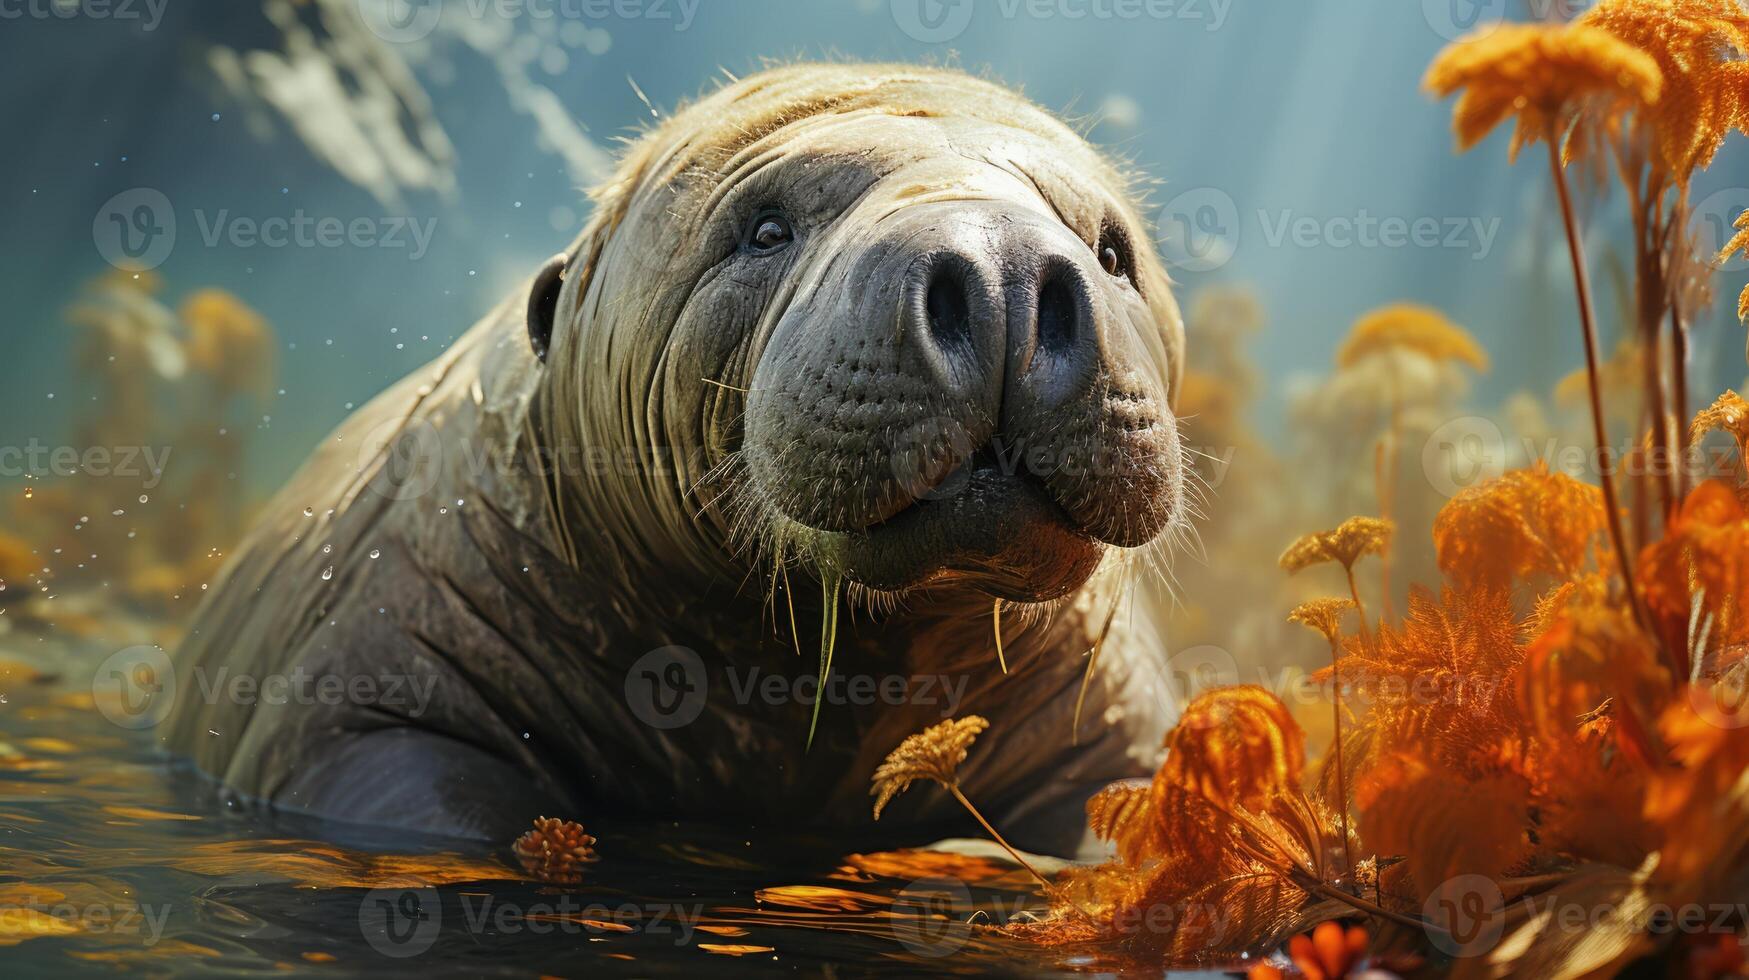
(117, 512)
(309, 512)
(29, 493)
(375, 553)
(143, 498)
(327, 549)
(443, 510)
(328, 573)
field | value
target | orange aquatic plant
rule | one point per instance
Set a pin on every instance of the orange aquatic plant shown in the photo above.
(555, 851)
(1325, 616)
(1421, 331)
(1545, 76)
(1345, 544)
(1413, 327)
(935, 754)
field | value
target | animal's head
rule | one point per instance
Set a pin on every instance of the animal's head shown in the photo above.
(896, 322)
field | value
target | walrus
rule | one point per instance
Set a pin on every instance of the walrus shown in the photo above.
(874, 337)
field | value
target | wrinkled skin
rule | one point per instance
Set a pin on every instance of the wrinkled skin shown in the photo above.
(942, 376)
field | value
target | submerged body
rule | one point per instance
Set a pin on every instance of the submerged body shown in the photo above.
(869, 335)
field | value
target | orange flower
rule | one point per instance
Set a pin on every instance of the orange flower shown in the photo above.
(1323, 615)
(934, 754)
(1542, 74)
(1444, 822)
(1701, 804)
(1697, 47)
(1410, 326)
(228, 341)
(1236, 745)
(555, 851)
(1345, 545)
(1329, 953)
(1702, 557)
(1739, 243)
(1588, 657)
(1729, 412)
(1122, 813)
(1521, 523)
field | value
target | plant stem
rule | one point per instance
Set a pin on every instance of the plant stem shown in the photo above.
(1605, 456)
(1679, 372)
(1337, 894)
(1341, 774)
(1359, 610)
(955, 790)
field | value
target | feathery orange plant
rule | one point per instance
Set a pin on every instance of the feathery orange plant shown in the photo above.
(1545, 75)
(1739, 243)
(1410, 326)
(1541, 75)
(1426, 332)
(1325, 616)
(555, 851)
(935, 754)
(1224, 838)
(1526, 522)
(1345, 545)
(1728, 413)
(1699, 47)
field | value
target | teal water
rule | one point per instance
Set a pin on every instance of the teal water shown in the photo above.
(114, 857)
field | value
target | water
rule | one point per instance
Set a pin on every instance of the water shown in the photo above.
(113, 855)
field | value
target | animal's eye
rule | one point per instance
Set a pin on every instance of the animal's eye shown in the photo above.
(769, 232)
(1114, 253)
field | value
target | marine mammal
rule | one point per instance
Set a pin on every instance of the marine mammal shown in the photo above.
(879, 325)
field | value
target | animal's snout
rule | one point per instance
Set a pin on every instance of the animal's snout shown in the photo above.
(951, 329)
(1010, 294)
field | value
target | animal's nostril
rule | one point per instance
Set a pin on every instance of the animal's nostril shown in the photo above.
(950, 315)
(1058, 313)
